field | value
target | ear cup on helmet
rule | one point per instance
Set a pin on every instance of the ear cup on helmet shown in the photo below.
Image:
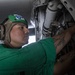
(1, 32)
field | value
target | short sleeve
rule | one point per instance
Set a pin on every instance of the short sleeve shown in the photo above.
(48, 45)
(34, 59)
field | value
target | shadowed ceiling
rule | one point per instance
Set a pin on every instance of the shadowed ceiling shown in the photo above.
(22, 7)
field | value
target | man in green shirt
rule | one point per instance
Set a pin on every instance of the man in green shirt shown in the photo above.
(34, 59)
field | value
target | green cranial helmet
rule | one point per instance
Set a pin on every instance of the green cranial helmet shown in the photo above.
(8, 23)
(15, 18)
(18, 18)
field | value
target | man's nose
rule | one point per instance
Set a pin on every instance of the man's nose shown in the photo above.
(26, 30)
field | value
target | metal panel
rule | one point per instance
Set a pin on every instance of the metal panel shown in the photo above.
(70, 5)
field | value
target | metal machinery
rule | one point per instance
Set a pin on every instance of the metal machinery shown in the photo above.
(51, 17)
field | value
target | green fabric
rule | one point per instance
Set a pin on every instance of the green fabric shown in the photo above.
(34, 59)
(17, 18)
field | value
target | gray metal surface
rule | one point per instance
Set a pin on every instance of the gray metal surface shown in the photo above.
(70, 6)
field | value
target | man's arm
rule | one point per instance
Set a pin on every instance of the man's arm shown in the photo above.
(61, 40)
(65, 63)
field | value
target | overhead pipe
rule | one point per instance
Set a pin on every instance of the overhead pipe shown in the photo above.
(49, 17)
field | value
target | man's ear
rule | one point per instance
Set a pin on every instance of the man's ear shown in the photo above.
(2, 31)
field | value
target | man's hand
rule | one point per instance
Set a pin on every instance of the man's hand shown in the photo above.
(62, 39)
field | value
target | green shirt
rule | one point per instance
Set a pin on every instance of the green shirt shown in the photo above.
(34, 59)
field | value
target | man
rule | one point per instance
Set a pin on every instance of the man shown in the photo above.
(35, 59)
